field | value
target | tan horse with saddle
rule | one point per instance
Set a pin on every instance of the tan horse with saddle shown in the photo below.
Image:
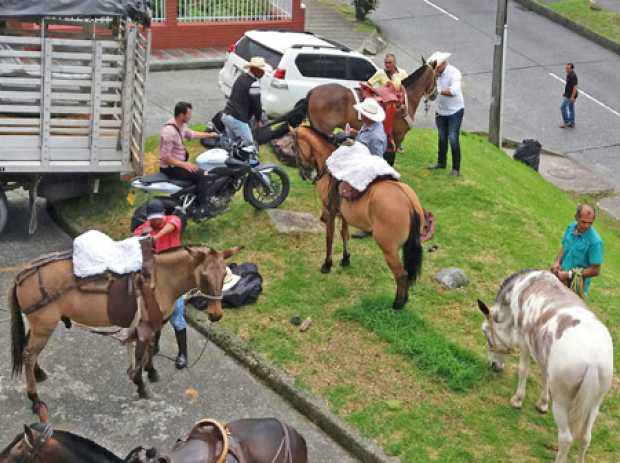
(389, 208)
(47, 291)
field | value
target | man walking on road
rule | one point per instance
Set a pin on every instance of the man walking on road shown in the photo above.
(450, 110)
(569, 96)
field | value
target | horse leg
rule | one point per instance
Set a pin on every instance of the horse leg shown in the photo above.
(135, 370)
(565, 438)
(153, 347)
(543, 401)
(344, 233)
(587, 435)
(390, 252)
(524, 364)
(329, 241)
(37, 340)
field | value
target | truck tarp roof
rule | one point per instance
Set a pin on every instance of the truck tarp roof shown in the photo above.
(137, 10)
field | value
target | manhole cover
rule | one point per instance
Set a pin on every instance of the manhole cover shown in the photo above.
(563, 173)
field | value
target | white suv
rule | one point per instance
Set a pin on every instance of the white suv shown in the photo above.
(297, 62)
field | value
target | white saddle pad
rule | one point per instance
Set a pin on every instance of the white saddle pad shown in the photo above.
(355, 165)
(95, 252)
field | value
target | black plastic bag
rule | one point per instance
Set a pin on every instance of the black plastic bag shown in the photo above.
(247, 289)
(528, 152)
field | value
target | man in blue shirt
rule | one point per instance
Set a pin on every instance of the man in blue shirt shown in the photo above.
(582, 250)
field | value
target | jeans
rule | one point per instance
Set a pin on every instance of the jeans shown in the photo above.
(449, 128)
(236, 129)
(568, 111)
(178, 316)
(199, 178)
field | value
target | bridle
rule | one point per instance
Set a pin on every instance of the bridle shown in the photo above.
(35, 447)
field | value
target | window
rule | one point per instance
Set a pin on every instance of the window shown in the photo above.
(360, 69)
(323, 66)
(247, 48)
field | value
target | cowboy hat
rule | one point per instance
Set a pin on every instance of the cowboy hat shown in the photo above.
(371, 109)
(256, 62)
(230, 280)
(439, 57)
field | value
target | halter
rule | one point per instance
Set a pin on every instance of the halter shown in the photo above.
(40, 441)
(198, 293)
(223, 431)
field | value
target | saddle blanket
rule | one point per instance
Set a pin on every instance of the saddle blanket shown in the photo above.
(355, 165)
(95, 252)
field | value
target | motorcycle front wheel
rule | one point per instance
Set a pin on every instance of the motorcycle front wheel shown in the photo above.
(269, 195)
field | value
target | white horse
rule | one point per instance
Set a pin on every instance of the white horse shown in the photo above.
(536, 314)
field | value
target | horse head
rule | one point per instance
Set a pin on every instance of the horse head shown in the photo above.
(312, 150)
(32, 445)
(209, 273)
(498, 325)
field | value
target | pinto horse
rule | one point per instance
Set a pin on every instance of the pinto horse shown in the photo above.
(175, 272)
(536, 314)
(263, 440)
(330, 106)
(389, 208)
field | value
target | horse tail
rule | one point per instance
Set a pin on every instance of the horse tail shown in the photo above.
(586, 402)
(412, 249)
(296, 115)
(18, 333)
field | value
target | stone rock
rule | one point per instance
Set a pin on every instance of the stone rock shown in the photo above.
(452, 278)
(294, 222)
(373, 44)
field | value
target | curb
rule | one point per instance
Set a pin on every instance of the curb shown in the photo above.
(373, 44)
(179, 65)
(309, 406)
(601, 40)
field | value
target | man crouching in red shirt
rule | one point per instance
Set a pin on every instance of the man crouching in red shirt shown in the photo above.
(166, 232)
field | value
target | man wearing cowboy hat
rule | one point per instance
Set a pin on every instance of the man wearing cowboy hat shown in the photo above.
(372, 135)
(244, 102)
(166, 233)
(450, 110)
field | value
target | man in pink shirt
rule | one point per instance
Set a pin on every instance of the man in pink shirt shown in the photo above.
(174, 158)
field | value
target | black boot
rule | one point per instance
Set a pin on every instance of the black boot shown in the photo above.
(181, 361)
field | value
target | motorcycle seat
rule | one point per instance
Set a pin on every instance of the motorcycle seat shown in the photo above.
(232, 162)
(161, 177)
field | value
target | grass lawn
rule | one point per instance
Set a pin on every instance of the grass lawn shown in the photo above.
(605, 22)
(415, 381)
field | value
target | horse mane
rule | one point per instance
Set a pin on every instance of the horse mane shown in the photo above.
(185, 247)
(70, 441)
(414, 76)
(508, 283)
(317, 136)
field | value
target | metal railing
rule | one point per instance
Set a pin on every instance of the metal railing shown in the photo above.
(159, 10)
(233, 10)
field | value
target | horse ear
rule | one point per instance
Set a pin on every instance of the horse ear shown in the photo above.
(197, 254)
(423, 60)
(231, 252)
(483, 308)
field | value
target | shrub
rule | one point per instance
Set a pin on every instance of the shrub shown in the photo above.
(363, 7)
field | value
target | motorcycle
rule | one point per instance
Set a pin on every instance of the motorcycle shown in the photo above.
(230, 169)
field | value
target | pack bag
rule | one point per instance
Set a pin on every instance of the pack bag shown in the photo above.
(247, 289)
(528, 152)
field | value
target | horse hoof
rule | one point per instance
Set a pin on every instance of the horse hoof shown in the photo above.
(144, 394)
(40, 375)
(345, 262)
(542, 408)
(326, 267)
(152, 375)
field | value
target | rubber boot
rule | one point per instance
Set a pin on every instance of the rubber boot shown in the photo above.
(181, 361)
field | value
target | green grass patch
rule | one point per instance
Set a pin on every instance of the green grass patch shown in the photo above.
(602, 21)
(414, 381)
(346, 10)
(413, 337)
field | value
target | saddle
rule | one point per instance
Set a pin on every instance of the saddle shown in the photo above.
(393, 103)
(121, 289)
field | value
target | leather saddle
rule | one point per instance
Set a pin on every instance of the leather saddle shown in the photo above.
(393, 103)
(205, 444)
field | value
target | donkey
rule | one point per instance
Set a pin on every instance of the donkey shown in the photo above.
(56, 294)
(536, 314)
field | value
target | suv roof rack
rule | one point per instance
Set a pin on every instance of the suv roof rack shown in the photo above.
(331, 46)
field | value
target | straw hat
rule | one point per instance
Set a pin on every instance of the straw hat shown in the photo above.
(230, 280)
(439, 57)
(371, 109)
(256, 62)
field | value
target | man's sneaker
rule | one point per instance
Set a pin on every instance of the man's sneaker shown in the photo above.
(436, 166)
(455, 173)
(361, 234)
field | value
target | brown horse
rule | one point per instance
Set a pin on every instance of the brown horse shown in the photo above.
(330, 106)
(175, 272)
(264, 440)
(389, 208)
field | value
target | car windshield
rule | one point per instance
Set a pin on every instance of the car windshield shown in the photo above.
(247, 48)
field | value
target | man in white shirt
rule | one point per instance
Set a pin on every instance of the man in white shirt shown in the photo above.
(450, 110)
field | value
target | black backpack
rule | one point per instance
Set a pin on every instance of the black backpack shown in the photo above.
(247, 289)
(528, 152)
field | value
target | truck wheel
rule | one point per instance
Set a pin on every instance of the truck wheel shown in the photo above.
(4, 210)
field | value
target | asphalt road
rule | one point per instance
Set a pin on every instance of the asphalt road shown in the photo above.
(88, 391)
(538, 50)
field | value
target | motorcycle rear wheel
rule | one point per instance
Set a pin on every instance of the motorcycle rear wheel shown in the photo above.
(260, 197)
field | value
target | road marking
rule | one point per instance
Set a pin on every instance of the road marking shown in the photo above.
(437, 7)
(600, 103)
